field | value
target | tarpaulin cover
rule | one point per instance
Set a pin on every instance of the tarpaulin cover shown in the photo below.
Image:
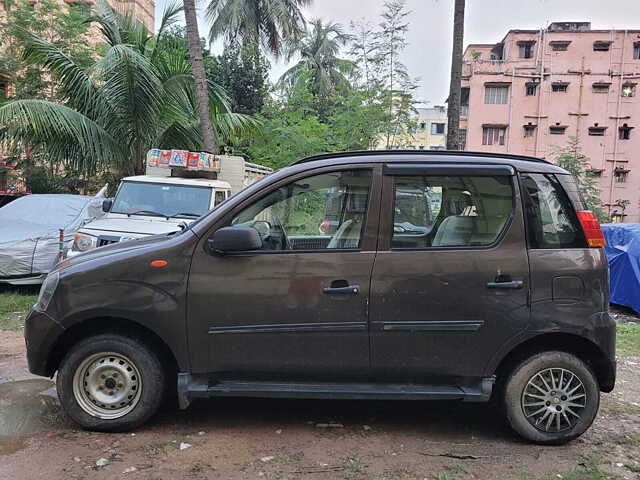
(623, 254)
(29, 230)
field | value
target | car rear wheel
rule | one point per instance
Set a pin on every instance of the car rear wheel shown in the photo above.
(110, 383)
(551, 398)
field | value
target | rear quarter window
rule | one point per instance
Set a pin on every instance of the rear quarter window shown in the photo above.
(550, 213)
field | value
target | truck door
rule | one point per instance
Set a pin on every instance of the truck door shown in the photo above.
(297, 307)
(449, 285)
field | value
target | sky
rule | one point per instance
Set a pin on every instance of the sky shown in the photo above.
(428, 55)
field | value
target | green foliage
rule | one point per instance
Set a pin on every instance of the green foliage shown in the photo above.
(243, 72)
(139, 95)
(14, 305)
(65, 28)
(572, 159)
(628, 340)
(320, 64)
(327, 103)
(264, 23)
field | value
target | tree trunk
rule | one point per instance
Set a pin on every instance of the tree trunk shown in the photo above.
(197, 66)
(453, 112)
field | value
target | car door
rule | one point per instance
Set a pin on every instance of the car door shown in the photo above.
(449, 285)
(297, 308)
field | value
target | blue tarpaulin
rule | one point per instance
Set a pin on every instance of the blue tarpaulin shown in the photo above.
(623, 254)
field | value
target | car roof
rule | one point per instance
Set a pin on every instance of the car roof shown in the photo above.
(199, 182)
(521, 163)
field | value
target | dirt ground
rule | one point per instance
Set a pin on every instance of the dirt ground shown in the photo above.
(291, 439)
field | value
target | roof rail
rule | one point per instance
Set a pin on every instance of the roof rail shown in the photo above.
(426, 153)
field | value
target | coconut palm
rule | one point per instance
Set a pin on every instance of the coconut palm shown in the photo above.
(267, 23)
(138, 96)
(319, 61)
(199, 76)
(453, 112)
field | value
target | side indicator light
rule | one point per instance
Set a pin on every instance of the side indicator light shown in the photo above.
(159, 263)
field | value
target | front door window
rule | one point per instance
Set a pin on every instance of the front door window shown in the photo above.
(326, 211)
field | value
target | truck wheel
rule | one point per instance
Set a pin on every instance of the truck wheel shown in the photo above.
(551, 398)
(110, 383)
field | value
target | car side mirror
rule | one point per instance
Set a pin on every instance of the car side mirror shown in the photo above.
(106, 205)
(233, 239)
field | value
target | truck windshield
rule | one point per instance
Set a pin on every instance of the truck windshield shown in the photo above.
(162, 200)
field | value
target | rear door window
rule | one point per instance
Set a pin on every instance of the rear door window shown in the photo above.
(551, 219)
(450, 211)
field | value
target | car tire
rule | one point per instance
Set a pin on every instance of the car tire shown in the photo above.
(551, 398)
(111, 383)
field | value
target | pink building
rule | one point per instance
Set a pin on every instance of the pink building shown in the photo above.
(531, 92)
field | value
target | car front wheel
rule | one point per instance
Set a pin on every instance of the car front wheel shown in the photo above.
(551, 398)
(110, 383)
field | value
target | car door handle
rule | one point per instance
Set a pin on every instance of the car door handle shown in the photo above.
(511, 285)
(348, 290)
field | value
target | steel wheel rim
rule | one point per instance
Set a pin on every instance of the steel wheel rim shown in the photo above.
(107, 385)
(554, 399)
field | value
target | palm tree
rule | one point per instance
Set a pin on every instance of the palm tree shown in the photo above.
(319, 60)
(200, 76)
(267, 23)
(139, 95)
(453, 111)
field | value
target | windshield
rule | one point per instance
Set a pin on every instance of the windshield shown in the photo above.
(162, 200)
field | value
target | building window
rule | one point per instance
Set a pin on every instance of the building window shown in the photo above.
(529, 129)
(629, 90)
(496, 94)
(493, 135)
(559, 87)
(597, 130)
(600, 87)
(636, 51)
(620, 174)
(423, 125)
(601, 46)
(525, 49)
(464, 101)
(559, 46)
(557, 129)
(437, 129)
(531, 88)
(624, 132)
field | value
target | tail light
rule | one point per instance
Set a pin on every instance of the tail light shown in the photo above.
(591, 229)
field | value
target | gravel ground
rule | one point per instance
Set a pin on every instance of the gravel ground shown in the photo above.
(292, 439)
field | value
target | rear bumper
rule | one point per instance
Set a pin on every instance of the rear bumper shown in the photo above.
(40, 333)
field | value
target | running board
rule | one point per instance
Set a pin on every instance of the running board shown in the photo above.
(201, 386)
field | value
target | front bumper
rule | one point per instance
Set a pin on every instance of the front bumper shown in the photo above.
(41, 333)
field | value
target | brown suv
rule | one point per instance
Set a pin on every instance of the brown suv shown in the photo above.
(493, 287)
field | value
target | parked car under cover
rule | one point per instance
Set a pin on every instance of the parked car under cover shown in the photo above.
(30, 231)
(623, 254)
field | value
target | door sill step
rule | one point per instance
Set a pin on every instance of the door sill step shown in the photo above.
(201, 386)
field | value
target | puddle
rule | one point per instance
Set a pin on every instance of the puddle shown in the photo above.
(26, 407)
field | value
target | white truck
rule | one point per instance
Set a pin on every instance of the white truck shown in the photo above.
(164, 200)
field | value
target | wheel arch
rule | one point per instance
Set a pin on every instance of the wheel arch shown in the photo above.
(115, 325)
(584, 349)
